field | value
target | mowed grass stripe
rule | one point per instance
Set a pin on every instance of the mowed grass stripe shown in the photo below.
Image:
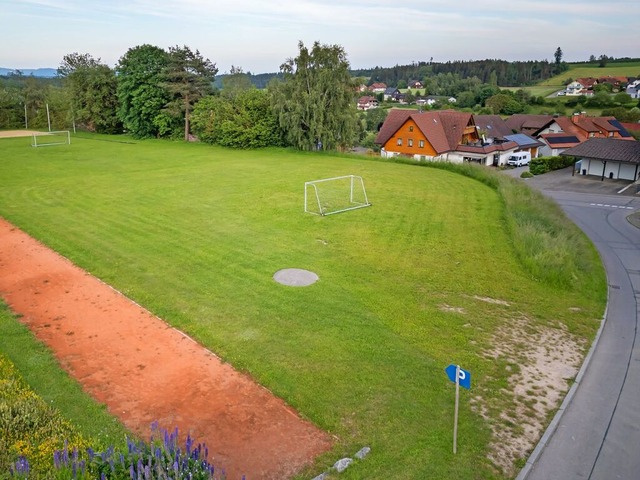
(195, 233)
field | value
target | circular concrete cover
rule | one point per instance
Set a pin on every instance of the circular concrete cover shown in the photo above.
(295, 277)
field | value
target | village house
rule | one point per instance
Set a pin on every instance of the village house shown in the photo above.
(633, 89)
(556, 143)
(367, 102)
(392, 94)
(378, 87)
(444, 135)
(612, 158)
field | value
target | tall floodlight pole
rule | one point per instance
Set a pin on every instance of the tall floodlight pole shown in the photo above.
(48, 117)
(26, 123)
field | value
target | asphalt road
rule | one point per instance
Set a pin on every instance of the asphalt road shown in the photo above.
(596, 434)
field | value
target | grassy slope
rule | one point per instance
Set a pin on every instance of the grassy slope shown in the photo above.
(580, 70)
(195, 234)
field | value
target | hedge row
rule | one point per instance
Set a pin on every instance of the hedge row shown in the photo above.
(541, 165)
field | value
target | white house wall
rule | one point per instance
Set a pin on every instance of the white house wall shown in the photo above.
(620, 170)
(627, 171)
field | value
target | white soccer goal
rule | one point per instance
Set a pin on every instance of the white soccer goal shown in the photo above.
(335, 195)
(43, 139)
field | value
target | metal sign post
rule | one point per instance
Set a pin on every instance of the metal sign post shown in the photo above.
(459, 377)
(455, 415)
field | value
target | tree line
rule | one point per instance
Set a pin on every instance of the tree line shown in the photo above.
(507, 74)
(153, 92)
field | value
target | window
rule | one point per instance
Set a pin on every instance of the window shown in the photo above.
(399, 141)
(411, 128)
(591, 134)
(410, 142)
(421, 143)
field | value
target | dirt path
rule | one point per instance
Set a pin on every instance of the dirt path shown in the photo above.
(145, 371)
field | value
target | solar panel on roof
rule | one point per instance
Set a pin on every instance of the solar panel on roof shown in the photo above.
(567, 139)
(618, 125)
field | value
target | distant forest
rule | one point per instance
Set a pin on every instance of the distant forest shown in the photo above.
(500, 72)
(505, 74)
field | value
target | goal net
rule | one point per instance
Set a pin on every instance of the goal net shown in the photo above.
(43, 139)
(335, 195)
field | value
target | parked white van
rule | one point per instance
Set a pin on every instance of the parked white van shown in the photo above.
(519, 159)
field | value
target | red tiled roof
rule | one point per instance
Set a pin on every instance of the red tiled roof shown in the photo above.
(395, 119)
(493, 125)
(635, 127)
(528, 123)
(443, 129)
(493, 147)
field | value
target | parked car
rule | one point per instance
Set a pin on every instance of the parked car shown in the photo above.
(561, 93)
(519, 159)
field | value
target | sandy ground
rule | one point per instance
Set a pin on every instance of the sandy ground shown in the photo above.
(17, 133)
(146, 371)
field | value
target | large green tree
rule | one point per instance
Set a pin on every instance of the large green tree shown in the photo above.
(315, 100)
(236, 82)
(91, 87)
(141, 93)
(242, 120)
(188, 77)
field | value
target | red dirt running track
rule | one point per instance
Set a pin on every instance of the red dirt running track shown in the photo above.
(145, 371)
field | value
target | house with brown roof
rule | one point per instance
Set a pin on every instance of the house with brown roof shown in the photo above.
(367, 102)
(444, 135)
(491, 126)
(612, 158)
(532, 125)
(556, 143)
(584, 127)
(378, 87)
(616, 82)
(581, 86)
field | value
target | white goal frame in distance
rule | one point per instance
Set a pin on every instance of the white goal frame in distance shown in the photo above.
(356, 182)
(34, 138)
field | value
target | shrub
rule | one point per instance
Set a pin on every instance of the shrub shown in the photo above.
(541, 165)
(160, 459)
(526, 174)
(30, 429)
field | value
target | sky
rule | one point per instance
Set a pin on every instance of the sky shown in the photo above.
(259, 35)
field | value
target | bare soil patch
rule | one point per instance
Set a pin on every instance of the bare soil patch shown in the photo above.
(543, 361)
(144, 370)
(17, 133)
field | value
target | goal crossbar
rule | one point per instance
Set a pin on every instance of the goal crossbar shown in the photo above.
(61, 137)
(348, 193)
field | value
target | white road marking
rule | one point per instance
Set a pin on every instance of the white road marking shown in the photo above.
(610, 206)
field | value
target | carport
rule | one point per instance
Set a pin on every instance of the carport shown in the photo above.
(608, 157)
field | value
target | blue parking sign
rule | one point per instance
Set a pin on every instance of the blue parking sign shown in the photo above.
(464, 377)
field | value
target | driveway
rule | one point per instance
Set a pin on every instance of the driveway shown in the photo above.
(596, 433)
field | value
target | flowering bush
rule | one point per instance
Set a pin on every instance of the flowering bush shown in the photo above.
(160, 459)
(30, 430)
(36, 442)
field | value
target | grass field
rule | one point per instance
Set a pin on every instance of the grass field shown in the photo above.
(581, 70)
(427, 276)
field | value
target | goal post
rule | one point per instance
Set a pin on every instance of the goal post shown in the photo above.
(43, 139)
(334, 195)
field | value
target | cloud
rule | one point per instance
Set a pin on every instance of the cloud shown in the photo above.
(260, 34)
